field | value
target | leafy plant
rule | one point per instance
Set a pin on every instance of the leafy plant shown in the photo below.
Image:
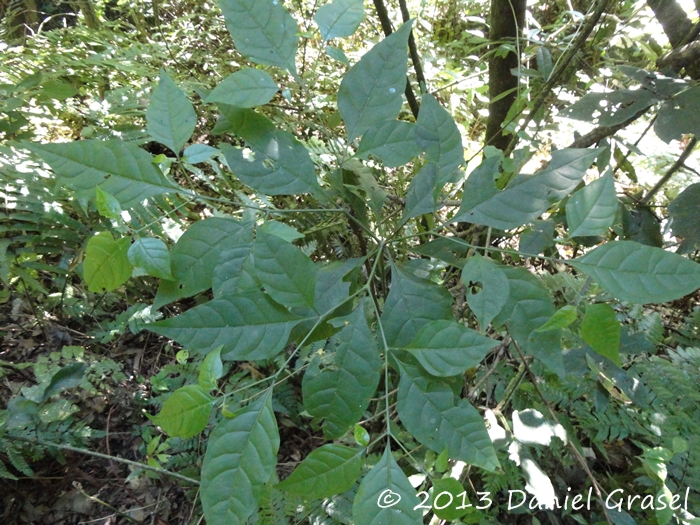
(335, 259)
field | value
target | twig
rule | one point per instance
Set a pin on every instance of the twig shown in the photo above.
(559, 72)
(413, 49)
(676, 166)
(103, 456)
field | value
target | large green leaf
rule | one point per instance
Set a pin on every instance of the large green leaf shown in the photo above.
(67, 377)
(341, 394)
(245, 88)
(601, 329)
(429, 411)
(248, 325)
(447, 348)
(529, 196)
(263, 32)
(186, 412)
(121, 169)
(393, 142)
(640, 274)
(493, 288)
(678, 116)
(287, 274)
(170, 116)
(235, 271)
(282, 165)
(685, 212)
(152, 255)
(386, 497)
(106, 264)
(480, 186)
(530, 306)
(591, 210)
(240, 459)
(411, 304)
(339, 18)
(420, 196)
(196, 254)
(330, 469)
(371, 91)
(437, 134)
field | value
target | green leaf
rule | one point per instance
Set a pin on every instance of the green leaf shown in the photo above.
(339, 18)
(411, 304)
(685, 213)
(370, 92)
(263, 32)
(329, 470)
(337, 54)
(211, 370)
(196, 254)
(678, 116)
(281, 230)
(235, 271)
(121, 169)
(240, 459)
(591, 210)
(447, 500)
(529, 196)
(640, 274)
(341, 394)
(480, 186)
(197, 153)
(494, 288)
(447, 348)
(185, 413)
(170, 116)
(282, 165)
(544, 62)
(420, 196)
(67, 377)
(530, 306)
(561, 319)
(612, 108)
(106, 264)
(381, 487)
(245, 88)
(248, 325)
(602, 331)
(537, 238)
(152, 255)
(361, 436)
(437, 134)
(287, 274)
(393, 142)
(107, 205)
(428, 410)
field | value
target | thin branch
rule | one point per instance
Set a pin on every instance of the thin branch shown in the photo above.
(103, 456)
(564, 66)
(602, 132)
(413, 49)
(676, 166)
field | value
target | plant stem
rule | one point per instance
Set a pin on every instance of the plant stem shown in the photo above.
(103, 456)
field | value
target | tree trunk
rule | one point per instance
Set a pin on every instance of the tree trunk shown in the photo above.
(506, 21)
(677, 26)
